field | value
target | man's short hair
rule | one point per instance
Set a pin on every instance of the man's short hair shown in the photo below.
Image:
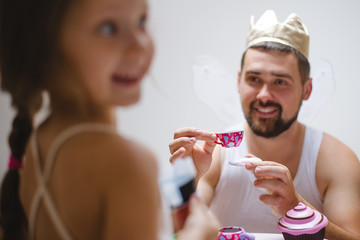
(303, 63)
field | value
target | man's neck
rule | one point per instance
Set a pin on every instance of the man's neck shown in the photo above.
(285, 148)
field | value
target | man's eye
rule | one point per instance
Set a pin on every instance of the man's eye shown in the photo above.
(280, 82)
(108, 29)
(254, 79)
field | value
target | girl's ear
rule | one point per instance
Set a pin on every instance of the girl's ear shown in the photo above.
(307, 89)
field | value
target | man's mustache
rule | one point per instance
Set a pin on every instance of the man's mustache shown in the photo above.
(267, 104)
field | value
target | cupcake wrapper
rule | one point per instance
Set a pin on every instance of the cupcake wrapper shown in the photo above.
(316, 236)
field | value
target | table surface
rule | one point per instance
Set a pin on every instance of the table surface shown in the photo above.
(268, 236)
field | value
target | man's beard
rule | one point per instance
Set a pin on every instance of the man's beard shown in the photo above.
(266, 127)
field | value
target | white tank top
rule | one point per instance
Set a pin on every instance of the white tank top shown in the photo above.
(236, 201)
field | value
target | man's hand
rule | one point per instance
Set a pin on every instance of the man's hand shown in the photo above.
(276, 179)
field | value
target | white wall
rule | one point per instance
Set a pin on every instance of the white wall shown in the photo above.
(184, 29)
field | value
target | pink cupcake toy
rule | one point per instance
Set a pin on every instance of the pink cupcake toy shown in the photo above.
(303, 223)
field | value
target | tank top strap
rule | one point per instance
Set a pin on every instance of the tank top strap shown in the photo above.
(42, 178)
(39, 191)
(68, 133)
(305, 178)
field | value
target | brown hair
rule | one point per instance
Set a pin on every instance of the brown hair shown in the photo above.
(28, 38)
(303, 63)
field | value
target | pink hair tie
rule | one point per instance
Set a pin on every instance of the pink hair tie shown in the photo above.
(14, 163)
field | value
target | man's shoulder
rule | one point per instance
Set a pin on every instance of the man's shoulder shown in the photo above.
(329, 146)
(332, 147)
(335, 158)
(336, 164)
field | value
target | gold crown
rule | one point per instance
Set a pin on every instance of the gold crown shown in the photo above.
(290, 33)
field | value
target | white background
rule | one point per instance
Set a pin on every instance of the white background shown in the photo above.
(184, 29)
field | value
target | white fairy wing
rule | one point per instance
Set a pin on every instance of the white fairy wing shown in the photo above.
(216, 86)
(322, 91)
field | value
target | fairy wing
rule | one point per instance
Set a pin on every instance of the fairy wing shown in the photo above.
(216, 86)
(322, 91)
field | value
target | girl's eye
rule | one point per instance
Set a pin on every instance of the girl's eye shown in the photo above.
(108, 29)
(142, 21)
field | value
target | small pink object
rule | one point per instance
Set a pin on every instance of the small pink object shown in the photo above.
(303, 221)
(243, 161)
(14, 163)
(234, 233)
(230, 139)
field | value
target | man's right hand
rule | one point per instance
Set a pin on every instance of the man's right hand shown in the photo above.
(184, 144)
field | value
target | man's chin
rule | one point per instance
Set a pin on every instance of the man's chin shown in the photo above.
(264, 132)
(270, 129)
(263, 127)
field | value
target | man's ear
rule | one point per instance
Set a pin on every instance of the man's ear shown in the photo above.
(238, 80)
(307, 89)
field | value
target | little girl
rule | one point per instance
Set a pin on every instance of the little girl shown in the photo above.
(74, 176)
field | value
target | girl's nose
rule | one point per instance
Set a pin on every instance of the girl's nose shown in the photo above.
(138, 42)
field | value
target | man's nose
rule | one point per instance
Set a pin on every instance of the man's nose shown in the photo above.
(265, 95)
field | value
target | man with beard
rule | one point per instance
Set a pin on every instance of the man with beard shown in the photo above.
(300, 164)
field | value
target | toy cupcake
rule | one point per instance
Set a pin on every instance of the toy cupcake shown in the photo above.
(303, 223)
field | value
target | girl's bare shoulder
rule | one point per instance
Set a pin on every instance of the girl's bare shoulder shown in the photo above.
(110, 157)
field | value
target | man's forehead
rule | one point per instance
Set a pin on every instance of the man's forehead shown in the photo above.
(272, 61)
(258, 56)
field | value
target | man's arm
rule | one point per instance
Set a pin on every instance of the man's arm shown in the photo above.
(338, 179)
(207, 183)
